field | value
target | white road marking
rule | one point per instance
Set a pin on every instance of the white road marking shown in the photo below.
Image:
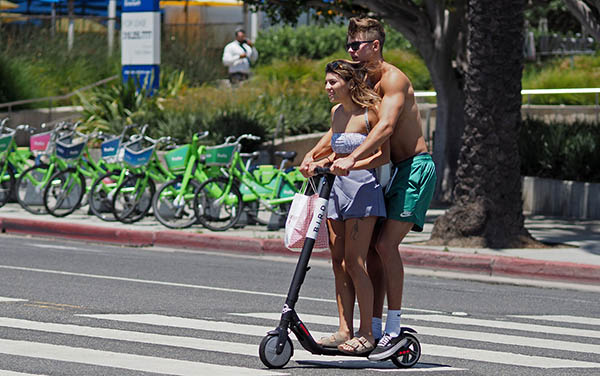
(563, 318)
(11, 300)
(504, 339)
(429, 349)
(124, 361)
(509, 325)
(174, 284)
(161, 283)
(184, 342)
(59, 247)
(11, 373)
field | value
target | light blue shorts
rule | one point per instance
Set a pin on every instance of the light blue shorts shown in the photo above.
(357, 195)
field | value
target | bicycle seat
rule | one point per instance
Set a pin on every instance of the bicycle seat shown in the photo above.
(289, 155)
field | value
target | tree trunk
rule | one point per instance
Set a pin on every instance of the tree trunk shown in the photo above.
(449, 126)
(488, 209)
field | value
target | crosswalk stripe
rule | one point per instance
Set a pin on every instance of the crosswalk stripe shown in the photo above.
(458, 334)
(4, 372)
(178, 341)
(504, 357)
(10, 300)
(433, 350)
(120, 360)
(563, 318)
(505, 325)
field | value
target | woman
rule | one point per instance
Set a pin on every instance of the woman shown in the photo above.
(355, 203)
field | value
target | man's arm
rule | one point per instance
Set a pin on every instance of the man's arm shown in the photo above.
(381, 157)
(228, 57)
(395, 89)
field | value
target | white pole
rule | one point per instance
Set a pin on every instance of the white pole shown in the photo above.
(71, 28)
(112, 14)
(53, 20)
(253, 26)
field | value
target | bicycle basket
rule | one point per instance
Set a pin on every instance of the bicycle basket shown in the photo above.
(67, 149)
(110, 148)
(135, 156)
(40, 141)
(177, 159)
(5, 139)
(264, 173)
(220, 155)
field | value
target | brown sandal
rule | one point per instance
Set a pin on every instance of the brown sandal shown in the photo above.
(356, 346)
(333, 340)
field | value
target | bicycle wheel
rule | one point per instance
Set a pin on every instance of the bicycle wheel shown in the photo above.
(64, 192)
(173, 208)
(133, 198)
(7, 182)
(101, 194)
(30, 188)
(215, 209)
(259, 212)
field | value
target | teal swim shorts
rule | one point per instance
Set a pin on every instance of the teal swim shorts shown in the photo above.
(409, 193)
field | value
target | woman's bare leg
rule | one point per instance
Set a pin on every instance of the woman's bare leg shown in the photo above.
(358, 233)
(344, 289)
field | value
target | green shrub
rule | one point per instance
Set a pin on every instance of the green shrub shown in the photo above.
(110, 107)
(560, 151)
(312, 42)
(200, 62)
(13, 82)
(576, 72)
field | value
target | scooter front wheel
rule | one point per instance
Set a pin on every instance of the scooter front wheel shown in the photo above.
(409, 354)
(269, 356)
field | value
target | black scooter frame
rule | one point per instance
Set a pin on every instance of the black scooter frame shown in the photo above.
(289, 317)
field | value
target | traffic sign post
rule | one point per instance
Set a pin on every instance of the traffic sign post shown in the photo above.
(140, 43)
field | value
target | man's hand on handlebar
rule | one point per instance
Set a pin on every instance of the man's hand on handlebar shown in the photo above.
(342, 166)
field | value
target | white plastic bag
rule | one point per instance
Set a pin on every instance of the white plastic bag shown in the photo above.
(299, 220)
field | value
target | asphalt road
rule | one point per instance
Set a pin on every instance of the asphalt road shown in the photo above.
(69, 308)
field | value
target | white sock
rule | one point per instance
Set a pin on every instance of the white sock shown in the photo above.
(392, 323)
(376, 325)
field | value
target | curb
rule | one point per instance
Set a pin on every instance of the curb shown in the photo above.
(421, 258)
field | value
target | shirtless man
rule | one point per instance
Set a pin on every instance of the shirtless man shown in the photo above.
(410, 190)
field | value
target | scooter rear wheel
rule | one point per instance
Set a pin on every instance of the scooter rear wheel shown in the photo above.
(269, 356)
(409, 354)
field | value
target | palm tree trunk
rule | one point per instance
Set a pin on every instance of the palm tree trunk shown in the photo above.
(488, 209)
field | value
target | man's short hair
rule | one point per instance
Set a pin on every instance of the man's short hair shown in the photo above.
(369, 27)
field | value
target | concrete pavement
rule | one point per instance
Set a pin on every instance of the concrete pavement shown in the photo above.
(574, 257)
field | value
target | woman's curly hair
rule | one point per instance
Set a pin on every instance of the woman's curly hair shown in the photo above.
(355, 75)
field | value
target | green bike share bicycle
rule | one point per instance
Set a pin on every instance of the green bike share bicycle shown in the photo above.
(65, 191)
(173, 202)
(13, 160)
(103, 188)
(30, 185)
(219, 202)
(132, 198)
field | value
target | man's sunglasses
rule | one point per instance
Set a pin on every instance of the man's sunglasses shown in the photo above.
(354, 46)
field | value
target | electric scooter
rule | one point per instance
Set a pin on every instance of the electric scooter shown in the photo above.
(276, 347)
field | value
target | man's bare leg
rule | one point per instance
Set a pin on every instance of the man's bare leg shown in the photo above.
(391, 236)
(376, 274)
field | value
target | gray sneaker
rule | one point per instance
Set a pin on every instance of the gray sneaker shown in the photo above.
(386, 347)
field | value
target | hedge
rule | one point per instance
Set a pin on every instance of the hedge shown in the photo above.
(560, 151)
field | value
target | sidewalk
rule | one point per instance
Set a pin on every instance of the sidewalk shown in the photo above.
(575, 259)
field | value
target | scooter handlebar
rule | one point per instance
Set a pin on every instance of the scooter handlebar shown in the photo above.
(322, 170)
